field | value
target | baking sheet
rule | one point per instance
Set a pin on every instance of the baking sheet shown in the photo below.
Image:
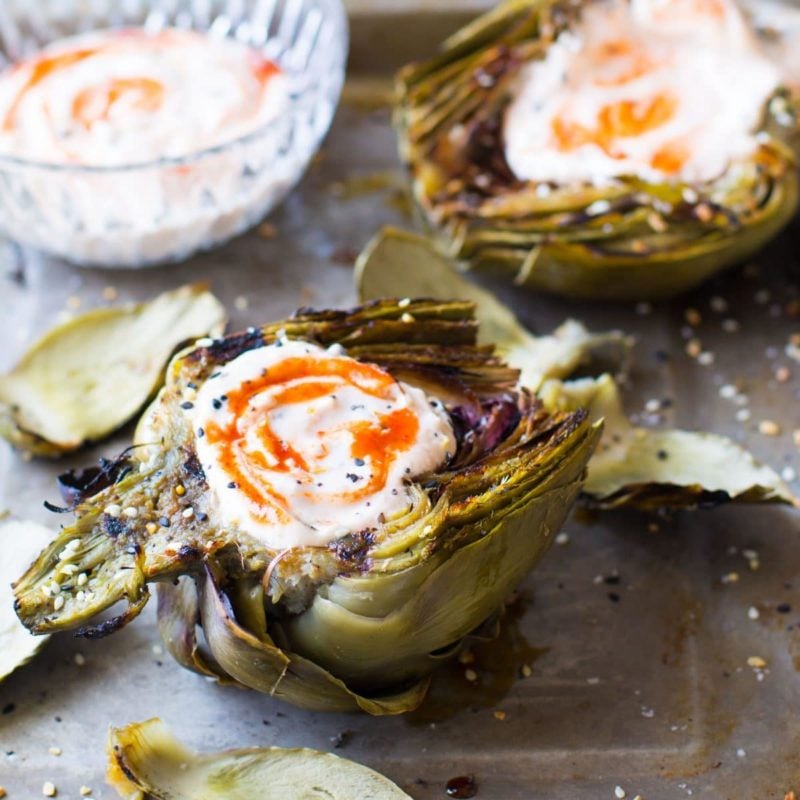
(624, 662)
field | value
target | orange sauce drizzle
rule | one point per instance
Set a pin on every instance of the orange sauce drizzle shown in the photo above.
(378, 441)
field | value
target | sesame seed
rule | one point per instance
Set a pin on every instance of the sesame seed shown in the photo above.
(79, 659)
(753, 613)
(741, 753)
(49, 789)
(82, 579)
(72, 544)
(782, 374)
(405, 302)
(85, 791)
(187, 513)
(728, 391)
(562, 538)
(756, 662)
(163, 522)
(206, 341)
(788, 474)
(46, 589)
(73, 302)
(54, 751)
(718, 304)
(768, 427)
(180, 490)
(694, 348)
(730, 325)
(693, 317)
(705, 359)
(113, 510)
(796, 436)
(526, 671)
(499, 715)
(68, 569)
(620, 793)
(406, 317)
(151, 528)
(466, 657)
(731, 577)
(110, 293)
(743, 415)
(131, 512)
(58, 603)
(471, 675)
(241, 303)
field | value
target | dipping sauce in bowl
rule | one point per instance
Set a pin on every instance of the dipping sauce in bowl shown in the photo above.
(128, 96)
(134, 134)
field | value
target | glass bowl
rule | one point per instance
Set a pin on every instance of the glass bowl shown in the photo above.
(166, 209)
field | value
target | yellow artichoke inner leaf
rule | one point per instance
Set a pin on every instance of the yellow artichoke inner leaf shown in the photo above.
(87, 377)
(630, 467)
(20, 543)
(145, 757)
(650, 468)
(397, 263)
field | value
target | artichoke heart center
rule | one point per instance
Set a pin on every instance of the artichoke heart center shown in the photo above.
(302, 445)
(655, 89)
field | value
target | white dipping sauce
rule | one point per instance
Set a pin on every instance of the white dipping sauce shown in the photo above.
(657, 89)
(121, 97)
(302, 445)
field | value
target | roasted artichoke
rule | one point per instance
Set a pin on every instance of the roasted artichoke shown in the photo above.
(331, 565)
(617, 149)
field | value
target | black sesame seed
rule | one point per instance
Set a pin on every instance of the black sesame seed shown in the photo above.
(201, 515)
(200, 433)
(662, 455)
(187, 405)
(613, 597)
(216, 403)
(359, 462)
(783, 608)
(233, 485)
(353, 477)
(164, 522)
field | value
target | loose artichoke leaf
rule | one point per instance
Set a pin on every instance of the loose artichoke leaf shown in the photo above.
(145, 759)
(84, 379)
(20, 543)
(397, 263)
(651, 469)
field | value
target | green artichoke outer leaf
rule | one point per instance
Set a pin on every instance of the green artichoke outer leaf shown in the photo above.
(397, 261)
(87, 377)
(145, 760)
(651, 469)
(628, 240)
(20, 542)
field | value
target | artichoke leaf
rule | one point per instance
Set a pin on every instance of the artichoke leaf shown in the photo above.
(629, 467)
(87, 377)
(651, 469)
(20, 542)
(396, 263)
(145, 760)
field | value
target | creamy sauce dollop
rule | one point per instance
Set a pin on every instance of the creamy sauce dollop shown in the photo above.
(302, 445)
(657, 89)
(119, 97)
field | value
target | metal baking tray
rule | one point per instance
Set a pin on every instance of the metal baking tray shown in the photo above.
(624, 660)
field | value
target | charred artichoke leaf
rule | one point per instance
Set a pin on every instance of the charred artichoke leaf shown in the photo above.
(20, 543)
(87, 377)
(397, 263)
(630, 240)
(651, 469)
(145, 760)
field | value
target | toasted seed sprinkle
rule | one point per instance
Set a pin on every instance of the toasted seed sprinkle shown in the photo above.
(593, 681)
(80, 595)
(693, 317)
(753, 613)
(131, 512)
(406, 317)
(741, 752)
(151, 528)
(620, 793)
(782, 375)
(79, 659)
(187, 513)
(499, 715)
(85, 791)
(113, 510)
(562, 538)
(731, 577)
(694, 348)
(54, 751)
(55, 587)
(180, 490)
(728, 391)
(769, 427)
(526, 671)
(46, 590)
(466, 657)
(756, 662)
(471, 675)
(82, 579)
(49, 789)
(68, 569)
(404, 303)
(58, 603)
(656, 222)
(72, 544)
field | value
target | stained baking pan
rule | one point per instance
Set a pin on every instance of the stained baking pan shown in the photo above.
(648, 655)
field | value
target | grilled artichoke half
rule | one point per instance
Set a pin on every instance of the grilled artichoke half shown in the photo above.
(630, 238)
(359, 623)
